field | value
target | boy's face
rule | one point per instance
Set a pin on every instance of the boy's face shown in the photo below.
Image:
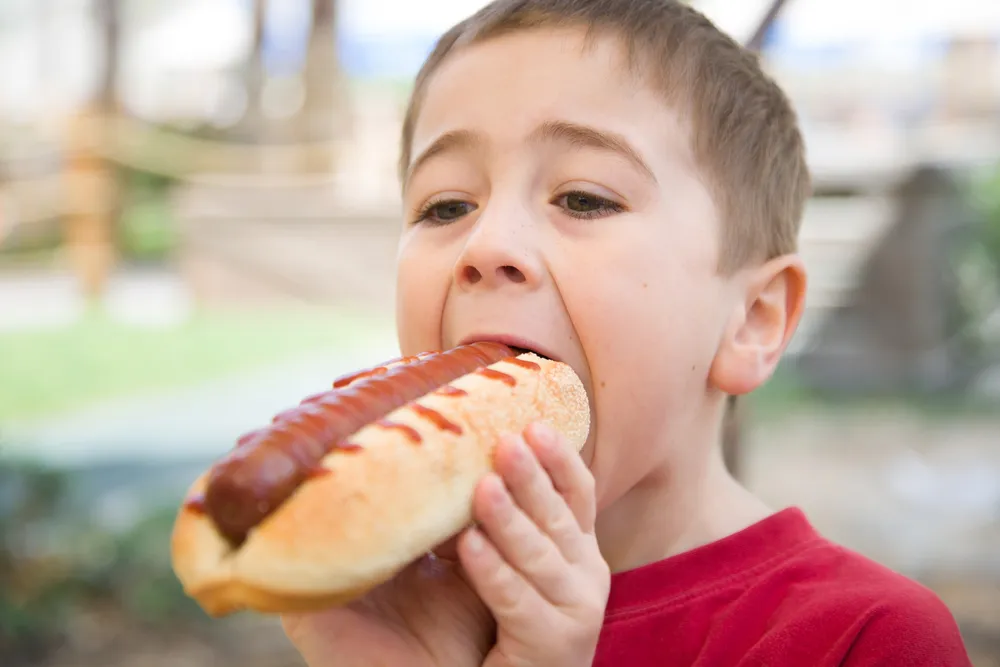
(560, 205)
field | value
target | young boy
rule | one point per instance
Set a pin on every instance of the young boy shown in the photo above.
(617, 185)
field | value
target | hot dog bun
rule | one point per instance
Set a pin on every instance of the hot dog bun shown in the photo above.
(379, 508)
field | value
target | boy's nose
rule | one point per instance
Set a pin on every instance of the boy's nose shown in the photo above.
(471, 275)
(495, 260)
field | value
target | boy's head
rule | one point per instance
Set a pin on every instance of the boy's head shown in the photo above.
(616, 183)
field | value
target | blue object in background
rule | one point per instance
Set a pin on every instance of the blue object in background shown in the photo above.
(384, 56)
(286, 36)
(390, 39)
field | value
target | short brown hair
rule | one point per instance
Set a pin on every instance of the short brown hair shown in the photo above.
(745, 135)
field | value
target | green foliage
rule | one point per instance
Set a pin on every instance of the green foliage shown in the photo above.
(140, 576)
(56, 559)
(977, 262)
(146, 230)
(29, 608)
(785, 395)
(97, 357)
(986, 193)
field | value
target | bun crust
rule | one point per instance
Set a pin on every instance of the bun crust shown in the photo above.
(381, 507)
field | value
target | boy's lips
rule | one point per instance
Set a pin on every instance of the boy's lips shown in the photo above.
(518, 342)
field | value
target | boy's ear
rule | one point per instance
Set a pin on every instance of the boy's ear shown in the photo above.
(761, 326)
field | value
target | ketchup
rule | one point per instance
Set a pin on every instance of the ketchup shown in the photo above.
(254, 479)
(508, 380)
(407, 430)
(437, 419)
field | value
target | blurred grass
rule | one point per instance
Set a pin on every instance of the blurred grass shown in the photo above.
(43, 372)
(786, 394)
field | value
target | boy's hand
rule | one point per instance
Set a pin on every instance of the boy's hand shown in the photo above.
(534, 559)
(427, 616)
(538, 571)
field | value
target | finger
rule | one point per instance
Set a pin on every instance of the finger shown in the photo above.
(569, 474)
(534, 493)
(521, 544)
(502, 588)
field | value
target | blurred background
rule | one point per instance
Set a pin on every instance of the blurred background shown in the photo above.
(198, 220)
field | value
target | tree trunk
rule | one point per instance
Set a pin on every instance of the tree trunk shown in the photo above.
(109, 12)
(757, 40)
(91, 179)
(253, 125)
(322, 115)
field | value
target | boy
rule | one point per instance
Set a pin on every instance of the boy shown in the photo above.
(617, 185)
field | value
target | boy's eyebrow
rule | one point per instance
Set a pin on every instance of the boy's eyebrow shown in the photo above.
(449, 141)
(554, 130)
(584, 136)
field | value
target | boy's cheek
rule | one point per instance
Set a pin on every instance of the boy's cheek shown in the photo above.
(421, 292)
(414, 331)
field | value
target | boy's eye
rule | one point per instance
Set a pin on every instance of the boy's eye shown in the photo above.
(582, 202)
(587, 205)
(441, 212)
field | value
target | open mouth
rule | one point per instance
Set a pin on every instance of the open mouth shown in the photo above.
(526, 350)
(519, 345)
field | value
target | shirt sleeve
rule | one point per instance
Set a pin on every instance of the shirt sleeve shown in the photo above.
(914, 629)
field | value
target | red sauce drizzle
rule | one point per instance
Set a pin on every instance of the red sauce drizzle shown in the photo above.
(449, 390)
(254, 479)
(436, 418)
(523, 363)
(378, 370)
(508, 380)
(247, 438)
(318, 471)
(196, 504)
(348, 379)
(410, 432)
(285, 415)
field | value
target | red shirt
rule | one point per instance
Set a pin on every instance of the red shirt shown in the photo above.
(776, 594)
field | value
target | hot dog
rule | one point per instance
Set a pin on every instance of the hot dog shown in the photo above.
(341, 492)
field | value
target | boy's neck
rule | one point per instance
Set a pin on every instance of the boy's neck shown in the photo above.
(675, 509)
